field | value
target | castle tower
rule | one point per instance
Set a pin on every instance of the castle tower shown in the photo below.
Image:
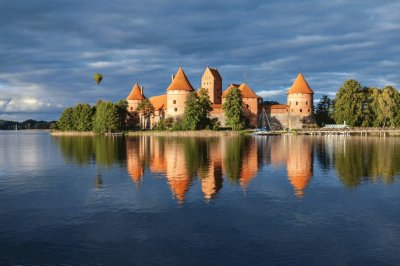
(299, 164)
(300, 98)
(212, 81)
(134, 98)
(177, 93)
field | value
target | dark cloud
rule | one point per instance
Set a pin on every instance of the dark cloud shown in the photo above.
(49, 50)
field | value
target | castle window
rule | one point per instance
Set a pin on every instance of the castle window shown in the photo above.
(174, 101)
(308, 110)
(301, 110)
(176, 109)
(297, 103)
(306, 103)
(131, 108)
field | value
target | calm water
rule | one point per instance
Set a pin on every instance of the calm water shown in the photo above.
(185, 201)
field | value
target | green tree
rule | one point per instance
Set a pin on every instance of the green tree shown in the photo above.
(83, 117)
(324, 111)
(349, 104)
(193, 112)
(106, 118)
(233, 109)
(66, 121)
(146, 108)
(386, 104)
(122, 107)
(205, 107)
(197, 110)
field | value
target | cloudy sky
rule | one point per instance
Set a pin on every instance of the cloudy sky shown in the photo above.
(49, 50)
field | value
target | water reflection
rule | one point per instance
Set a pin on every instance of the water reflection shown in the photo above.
(366, 159)
(238, 160)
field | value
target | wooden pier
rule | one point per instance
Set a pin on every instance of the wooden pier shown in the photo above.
(351, 132)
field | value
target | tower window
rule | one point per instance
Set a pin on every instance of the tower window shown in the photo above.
(301, 110)
(175, 109)
(297, 103)
(306, 103)
(308, 110)
(174, 101)
(131, 108)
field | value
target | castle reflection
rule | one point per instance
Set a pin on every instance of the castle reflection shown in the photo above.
(238, 159)
(209, 162)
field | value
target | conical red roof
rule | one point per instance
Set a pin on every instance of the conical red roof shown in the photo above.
(300, 85)
(136, 93)
(180, 82)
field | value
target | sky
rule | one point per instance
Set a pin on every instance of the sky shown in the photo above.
(50, 49)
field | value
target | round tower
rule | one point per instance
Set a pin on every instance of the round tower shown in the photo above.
(134, 98)
(300, 98)
(177, 93)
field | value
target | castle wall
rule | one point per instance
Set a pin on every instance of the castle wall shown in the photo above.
(251, 110)
(176, 102)
(300, 104)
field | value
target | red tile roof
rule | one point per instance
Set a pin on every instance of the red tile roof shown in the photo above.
(136, 93)
(159, 102)
(246, 91)
(278, 106)
(228, 88)
(300, 85)
(180, 82)
(215, 73)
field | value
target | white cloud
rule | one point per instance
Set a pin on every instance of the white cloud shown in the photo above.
(27, 104)
(271, 93)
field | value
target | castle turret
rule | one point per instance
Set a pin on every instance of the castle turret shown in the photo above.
(135, 97)
(212, 81)
(177, 93)
(300, 97)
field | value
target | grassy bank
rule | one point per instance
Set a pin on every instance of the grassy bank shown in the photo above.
(196, 133)
(72, 133)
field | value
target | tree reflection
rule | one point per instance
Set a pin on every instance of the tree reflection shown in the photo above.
(373, 159)
(207, 161)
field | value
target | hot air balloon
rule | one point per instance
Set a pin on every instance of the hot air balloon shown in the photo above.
(98, 78)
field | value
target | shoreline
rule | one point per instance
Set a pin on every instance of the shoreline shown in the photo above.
(210, 133)
(197, 133)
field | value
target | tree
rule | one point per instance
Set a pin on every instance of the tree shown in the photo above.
(193, 113)
(386, 104)
(66, 121)
(233, 109)
(205, 106)
(106, 118)
(146, 108)
(324, 111)
(122, 107)
(349, 104)
(82, 117)
(197, 110)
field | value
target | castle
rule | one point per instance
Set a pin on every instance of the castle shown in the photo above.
(295, 114)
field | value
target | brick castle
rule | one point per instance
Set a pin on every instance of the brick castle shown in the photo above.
(295, 114)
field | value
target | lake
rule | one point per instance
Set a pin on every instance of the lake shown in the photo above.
(297, 200)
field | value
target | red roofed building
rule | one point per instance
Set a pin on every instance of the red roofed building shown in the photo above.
(297, 111)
